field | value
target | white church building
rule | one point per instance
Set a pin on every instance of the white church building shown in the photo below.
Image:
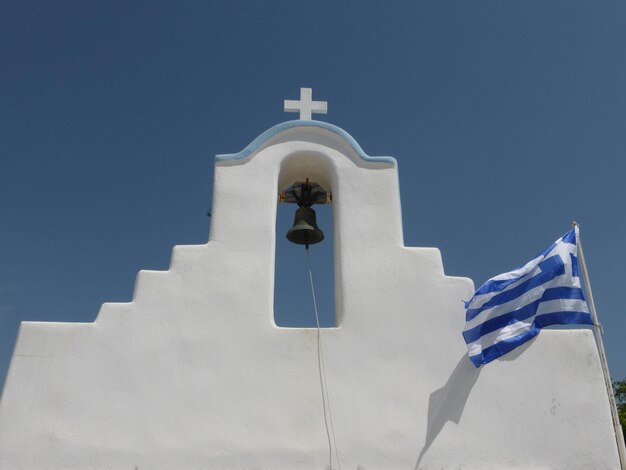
(194, 373)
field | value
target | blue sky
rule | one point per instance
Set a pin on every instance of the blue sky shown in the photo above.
(507, 119)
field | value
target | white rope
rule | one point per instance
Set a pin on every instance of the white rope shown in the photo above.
(322, 374)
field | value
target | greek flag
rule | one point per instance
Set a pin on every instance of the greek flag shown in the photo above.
(510, 309)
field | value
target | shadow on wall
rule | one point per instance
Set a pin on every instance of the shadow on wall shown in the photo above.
(448, 402)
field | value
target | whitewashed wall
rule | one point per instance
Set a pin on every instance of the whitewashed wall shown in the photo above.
(194, 374)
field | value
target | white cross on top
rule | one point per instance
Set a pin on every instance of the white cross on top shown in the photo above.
(306, 106)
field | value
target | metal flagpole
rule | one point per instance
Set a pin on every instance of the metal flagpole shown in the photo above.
(617, 427)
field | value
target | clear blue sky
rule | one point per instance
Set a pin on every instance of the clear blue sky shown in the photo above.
(507, 118)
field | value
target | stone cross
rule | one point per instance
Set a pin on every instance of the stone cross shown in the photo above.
(306, 106)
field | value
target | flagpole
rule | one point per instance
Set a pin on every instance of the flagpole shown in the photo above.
(617, 427)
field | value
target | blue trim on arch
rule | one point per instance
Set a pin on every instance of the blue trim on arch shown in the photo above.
(283, 126)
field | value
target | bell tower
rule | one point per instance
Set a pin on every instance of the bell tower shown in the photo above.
(194, 373)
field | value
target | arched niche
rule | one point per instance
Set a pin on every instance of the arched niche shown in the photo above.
(293, 304)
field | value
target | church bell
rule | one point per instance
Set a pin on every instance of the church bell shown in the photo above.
(305, 230)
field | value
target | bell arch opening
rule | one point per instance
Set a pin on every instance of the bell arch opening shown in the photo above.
(305, 184)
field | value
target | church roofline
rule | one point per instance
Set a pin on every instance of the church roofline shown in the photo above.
(283, 126)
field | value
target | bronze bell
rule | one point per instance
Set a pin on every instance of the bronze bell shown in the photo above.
(305, 230)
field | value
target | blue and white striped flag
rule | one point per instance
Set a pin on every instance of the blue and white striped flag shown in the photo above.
(510, 309)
